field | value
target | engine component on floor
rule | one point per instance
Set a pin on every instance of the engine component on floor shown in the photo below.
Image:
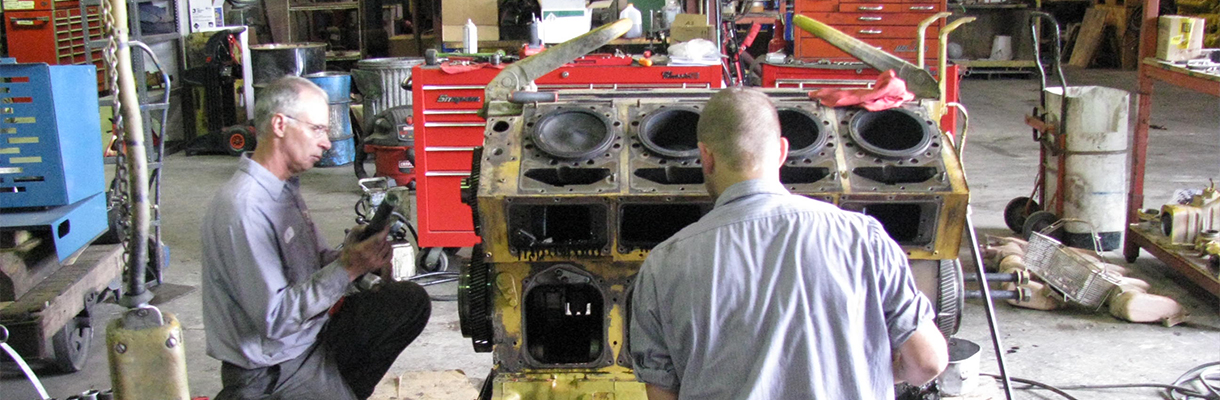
(1183, 223)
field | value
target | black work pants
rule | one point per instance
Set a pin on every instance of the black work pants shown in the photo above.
(353, 352)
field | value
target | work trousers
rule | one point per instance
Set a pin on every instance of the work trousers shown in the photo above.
(352, 354)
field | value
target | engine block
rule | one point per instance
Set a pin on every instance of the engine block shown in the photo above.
(570, 196)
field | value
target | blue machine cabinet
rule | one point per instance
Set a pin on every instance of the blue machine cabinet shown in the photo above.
(51, 169)
(50, 135)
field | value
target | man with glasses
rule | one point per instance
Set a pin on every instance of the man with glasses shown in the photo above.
(274, 304)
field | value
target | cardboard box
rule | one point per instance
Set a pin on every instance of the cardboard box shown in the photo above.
(691, 26)
(1179, 38)
(453, 33)
(404, 45)
(482, 12)
(563, 20)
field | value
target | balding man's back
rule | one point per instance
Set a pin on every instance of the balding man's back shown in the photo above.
(774, 296)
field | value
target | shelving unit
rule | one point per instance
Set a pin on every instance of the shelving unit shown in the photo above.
(297, 10)
(1010, 19)
(151, 106)
(1139, 235)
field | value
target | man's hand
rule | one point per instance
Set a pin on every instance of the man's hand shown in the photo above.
(655, 392)
(369, 255)
(922, 357)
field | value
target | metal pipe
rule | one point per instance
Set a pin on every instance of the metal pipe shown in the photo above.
(155, 179)
(993, 326)
(1018, 295)
(943, 59)
(923, 27)
(1017, 277)
(137, 159)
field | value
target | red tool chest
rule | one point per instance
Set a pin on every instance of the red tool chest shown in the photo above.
(814, 77)
(447, 130)
(889, 24)
(52, 32)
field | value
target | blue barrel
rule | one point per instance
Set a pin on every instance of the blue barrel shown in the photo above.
(338, 88)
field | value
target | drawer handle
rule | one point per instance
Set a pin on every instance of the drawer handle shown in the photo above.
(923, 8)
(30, 21)
(866, 18)
(869, 31)
(870, 8)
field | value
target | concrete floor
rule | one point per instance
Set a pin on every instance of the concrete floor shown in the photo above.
(1074, 347)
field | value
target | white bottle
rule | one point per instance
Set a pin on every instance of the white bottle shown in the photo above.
(637, 21)
(671, 11)
(470, 37)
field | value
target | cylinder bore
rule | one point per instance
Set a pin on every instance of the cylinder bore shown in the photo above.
(572, 133)
(804, 132)
(670, 132)
(894, 133)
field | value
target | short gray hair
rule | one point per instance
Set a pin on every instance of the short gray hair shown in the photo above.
(281, 96)
(740, 125)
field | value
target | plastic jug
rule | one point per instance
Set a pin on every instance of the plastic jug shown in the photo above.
(671, 11)
(470, 37)
(637, 21)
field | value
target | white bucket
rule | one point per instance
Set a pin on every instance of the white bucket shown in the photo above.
(962, 375)
(1001, 48)
(1096, 163)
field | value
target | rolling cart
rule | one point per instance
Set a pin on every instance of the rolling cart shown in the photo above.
(1026, 215)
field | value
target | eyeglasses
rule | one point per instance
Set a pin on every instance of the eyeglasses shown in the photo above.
(318, 130)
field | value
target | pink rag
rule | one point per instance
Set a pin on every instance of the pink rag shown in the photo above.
(460, 68)
(887, 93)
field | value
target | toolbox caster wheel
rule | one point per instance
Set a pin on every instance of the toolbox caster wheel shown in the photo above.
(434, 259)
(1017, 211)
(1038, 221)
(71, 344)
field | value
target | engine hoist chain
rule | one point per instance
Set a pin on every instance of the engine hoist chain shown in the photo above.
(118, 197)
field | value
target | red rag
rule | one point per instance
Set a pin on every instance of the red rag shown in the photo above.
(458, 68)
(888, 92)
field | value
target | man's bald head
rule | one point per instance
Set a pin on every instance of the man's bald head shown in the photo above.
(741, 127)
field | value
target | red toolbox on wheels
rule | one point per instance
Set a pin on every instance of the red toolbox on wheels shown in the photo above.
(447, 129)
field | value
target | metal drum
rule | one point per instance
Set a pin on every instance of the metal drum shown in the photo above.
(385, 83)
(338, 87)
(274, 60)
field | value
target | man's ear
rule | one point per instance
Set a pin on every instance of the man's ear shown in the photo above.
(279, 125)
(706, 159)
(783, 150)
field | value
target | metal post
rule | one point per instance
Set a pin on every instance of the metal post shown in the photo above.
(137, 159)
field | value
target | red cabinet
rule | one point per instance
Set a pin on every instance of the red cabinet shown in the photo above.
(53, 33)
(891, 25)
(447, 130)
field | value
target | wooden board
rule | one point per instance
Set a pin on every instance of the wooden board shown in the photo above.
(1128, 42)
(46, 307)
(426, 385)
(1090, 37)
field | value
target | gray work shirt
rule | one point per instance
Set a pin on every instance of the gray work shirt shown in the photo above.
(266, 283)
(774, 296)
